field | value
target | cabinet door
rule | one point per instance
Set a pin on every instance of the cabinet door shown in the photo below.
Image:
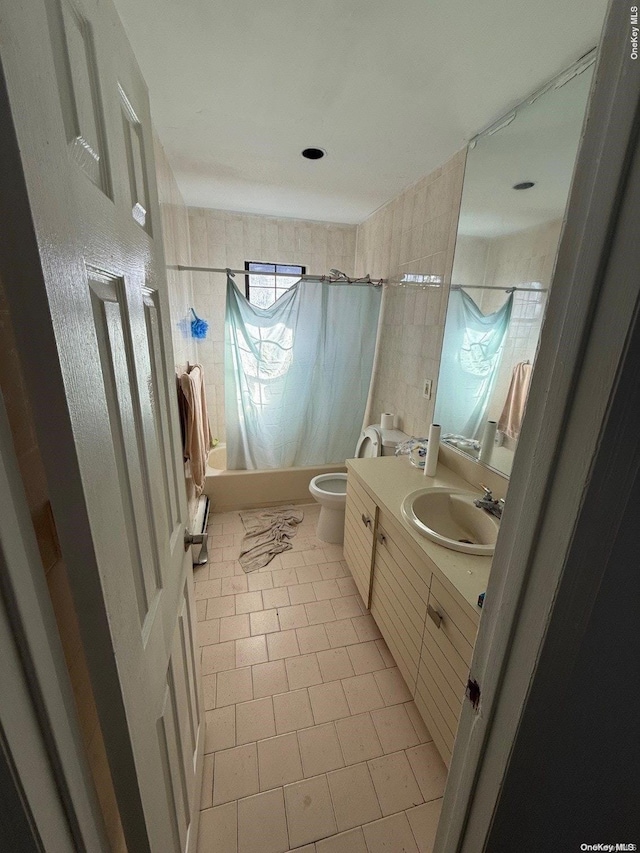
(359, 528)
(399, 596)
(449, 635)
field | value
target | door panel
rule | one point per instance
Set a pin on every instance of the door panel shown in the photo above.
(81, 116)
(77, 75)
(117, 360)
(136, 166)
(172, 479)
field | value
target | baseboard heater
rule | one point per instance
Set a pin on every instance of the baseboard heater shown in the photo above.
(199, 551)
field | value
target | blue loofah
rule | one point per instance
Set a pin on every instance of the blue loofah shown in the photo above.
(199, 327)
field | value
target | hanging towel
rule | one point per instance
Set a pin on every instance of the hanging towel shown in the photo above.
(268, 532)
(195, 423)
(513, 412)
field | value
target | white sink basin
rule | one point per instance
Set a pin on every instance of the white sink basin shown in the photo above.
(450, 518)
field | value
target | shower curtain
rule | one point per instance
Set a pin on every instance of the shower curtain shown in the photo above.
(297, 374)
(470, 357)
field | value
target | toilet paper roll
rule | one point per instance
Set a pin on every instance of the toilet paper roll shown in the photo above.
(488, 440)
(433, 448)
(386, 420)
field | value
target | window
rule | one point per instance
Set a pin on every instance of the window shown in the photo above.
(264, 283)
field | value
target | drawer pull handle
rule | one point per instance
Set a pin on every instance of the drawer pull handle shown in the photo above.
(382, 539)
(433, 614)
(366, 521)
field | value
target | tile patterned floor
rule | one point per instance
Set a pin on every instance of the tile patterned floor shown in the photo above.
(312, 740)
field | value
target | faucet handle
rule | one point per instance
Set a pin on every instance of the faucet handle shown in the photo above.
(487, 492)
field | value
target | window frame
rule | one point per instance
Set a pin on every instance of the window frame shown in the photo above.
(249, 272)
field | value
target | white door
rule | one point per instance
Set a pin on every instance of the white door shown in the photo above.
(89, 297)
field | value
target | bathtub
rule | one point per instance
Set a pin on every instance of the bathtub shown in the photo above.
(230, 490)
(217, 461)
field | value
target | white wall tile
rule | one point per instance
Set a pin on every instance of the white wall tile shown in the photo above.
(412, 234)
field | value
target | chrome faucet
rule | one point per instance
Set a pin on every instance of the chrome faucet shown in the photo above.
(489, 503)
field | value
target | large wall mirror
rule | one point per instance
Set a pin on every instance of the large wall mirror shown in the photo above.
(516, 186)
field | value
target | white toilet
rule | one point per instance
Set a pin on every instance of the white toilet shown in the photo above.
(330, 490)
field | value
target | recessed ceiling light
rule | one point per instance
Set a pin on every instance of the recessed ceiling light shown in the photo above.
(313, 153)
(525, 185)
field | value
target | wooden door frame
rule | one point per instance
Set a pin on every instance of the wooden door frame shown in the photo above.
(45, 768)
(592, 314)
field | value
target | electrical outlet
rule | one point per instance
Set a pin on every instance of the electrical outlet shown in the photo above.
(426, 391)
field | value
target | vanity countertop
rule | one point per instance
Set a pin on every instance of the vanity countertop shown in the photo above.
(389, 479)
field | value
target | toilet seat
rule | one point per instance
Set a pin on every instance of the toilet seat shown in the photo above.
(369, 444)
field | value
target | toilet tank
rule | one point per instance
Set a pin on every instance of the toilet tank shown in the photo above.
(391, 438)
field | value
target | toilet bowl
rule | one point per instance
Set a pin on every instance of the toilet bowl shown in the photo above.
(330, 490)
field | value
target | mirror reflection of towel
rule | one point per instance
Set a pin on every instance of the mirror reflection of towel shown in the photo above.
(511, 418)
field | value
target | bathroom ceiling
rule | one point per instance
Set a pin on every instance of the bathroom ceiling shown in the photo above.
(390, 90)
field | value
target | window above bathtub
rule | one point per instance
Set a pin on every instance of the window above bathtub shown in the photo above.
(265, 282)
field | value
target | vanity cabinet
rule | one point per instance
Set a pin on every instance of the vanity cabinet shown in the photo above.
(399, 595)
(428, 625)
(360, 526)
(449, 635)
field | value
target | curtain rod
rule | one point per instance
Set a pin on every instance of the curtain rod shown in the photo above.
(495, 287)
(364, 281)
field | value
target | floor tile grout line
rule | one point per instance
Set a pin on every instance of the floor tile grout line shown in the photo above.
(286, 815)
(372, 785)
(335, 728)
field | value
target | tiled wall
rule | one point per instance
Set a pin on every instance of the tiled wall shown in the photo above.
(175, 235)
(177, 250)
(27, 451)
(524, 259)
(412, 234)
(470, 261)
(220, 239)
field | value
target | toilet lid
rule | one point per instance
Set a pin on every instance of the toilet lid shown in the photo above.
(369, 444)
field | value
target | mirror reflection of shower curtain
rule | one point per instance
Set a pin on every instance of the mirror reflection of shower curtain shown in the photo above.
(297, 374)
(471, 353)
